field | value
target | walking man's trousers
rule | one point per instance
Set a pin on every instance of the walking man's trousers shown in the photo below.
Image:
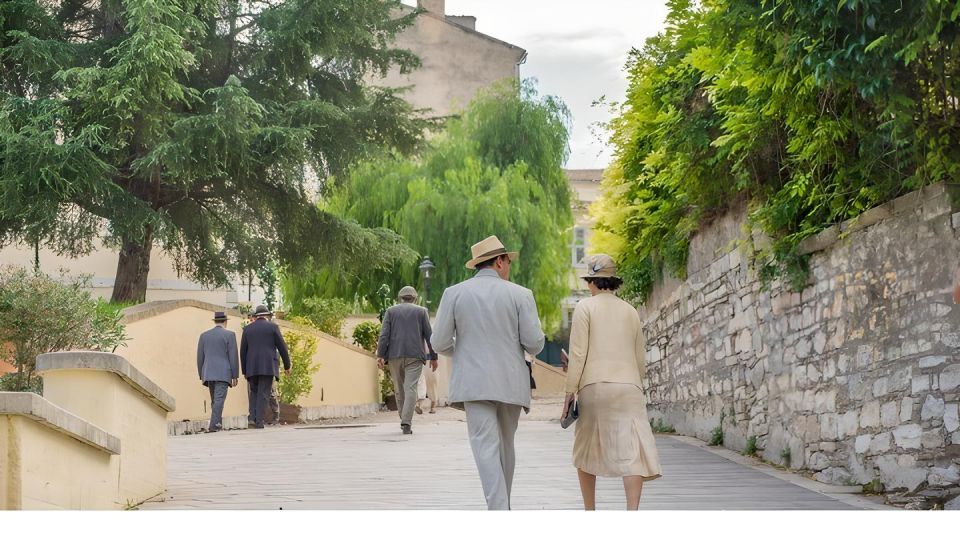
(492, 426)
(405, 373)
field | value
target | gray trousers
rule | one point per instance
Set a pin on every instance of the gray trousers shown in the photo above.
(218, 395)
(491, 427)
(405, 373)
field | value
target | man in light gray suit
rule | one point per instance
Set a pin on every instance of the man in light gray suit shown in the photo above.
(218, 364)
(486, 324)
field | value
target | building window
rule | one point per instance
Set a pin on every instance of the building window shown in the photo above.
(579, 247)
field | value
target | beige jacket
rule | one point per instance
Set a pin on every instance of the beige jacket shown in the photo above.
(608, 335)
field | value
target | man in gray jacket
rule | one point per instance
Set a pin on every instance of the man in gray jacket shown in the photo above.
(218, 365)
(486, 324)
(404, 344)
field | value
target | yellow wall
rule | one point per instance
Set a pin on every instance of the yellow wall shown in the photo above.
(550, 380)
(49, 470)
(164, 347)
(107, 401)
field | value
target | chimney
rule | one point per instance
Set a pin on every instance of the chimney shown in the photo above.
(434, 6)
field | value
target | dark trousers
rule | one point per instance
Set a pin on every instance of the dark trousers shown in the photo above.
(273, 403)
(259, 397)
(218, 395)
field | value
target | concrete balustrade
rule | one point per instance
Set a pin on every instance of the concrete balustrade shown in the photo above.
(95, 440)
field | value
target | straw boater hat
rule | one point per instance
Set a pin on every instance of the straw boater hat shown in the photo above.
(488, 249)
(600, 266)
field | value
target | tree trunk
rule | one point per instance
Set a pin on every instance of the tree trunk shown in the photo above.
(133, 266)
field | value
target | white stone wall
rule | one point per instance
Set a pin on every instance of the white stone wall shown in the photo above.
(858, 375)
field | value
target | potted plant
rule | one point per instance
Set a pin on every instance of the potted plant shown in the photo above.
(299, 383)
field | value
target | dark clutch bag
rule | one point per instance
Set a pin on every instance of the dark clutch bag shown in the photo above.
(572, 414)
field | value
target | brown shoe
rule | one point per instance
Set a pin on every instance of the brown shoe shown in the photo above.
(418, 410)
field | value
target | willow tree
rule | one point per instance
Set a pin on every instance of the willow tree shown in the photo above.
(202, 126)
(495, 170)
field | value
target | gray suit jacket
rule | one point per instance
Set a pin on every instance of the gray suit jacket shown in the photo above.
(486, 324)
(217, 356)
(406, 328)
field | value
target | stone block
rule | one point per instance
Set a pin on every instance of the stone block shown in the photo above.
(890, 414)
(880, 443)
(862, 443)
(951, 339)
(819, 342)
(932, 408)
(870, 415)
(818, 461)
(951, 417)
(932, 361)
(825, 401)
(828, 426)
(906, 409)
(950, 378)
(833, 476)
(943, 477)
(900, 472)
(933, 439)
(847, 425)
(744, 342)
(920, 384)
(908, 436)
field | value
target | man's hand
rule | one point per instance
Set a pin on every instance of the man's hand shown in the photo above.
(233, 382)
(567, 403)
(380, 363)
(433, 365)
(286, 371)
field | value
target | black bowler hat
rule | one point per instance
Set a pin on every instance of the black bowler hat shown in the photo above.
(219, 316)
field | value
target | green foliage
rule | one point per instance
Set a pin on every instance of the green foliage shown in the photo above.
(366, 334)
(40, 314)
(496, 170)
(204, 126)
(808, 113)
(660, 427)
(751, 448)
(386, 383)
(785, 457)
(716, 436)
(299, 383)
(326, 314)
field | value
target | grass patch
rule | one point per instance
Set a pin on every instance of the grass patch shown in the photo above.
(751, 449)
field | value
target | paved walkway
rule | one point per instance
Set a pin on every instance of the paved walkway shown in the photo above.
(373, 466)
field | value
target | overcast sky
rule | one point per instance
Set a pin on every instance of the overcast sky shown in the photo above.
(575, 48)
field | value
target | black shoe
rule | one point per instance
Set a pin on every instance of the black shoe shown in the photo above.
(406, 429)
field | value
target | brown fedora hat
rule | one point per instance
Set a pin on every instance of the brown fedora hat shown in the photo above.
(488, 249)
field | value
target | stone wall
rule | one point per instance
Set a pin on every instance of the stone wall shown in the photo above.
(855, 379)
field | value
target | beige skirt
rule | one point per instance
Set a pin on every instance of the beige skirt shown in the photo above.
(612, 435)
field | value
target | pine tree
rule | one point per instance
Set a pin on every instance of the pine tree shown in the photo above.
(204, 126)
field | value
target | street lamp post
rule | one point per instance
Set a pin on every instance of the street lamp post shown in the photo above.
(426, 267)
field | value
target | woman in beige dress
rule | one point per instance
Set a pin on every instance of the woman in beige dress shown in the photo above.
(606, 363)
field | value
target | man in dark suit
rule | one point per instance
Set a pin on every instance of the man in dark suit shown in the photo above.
(259, 346)
(217, 365)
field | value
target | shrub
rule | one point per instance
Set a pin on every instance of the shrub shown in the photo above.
(299, 383)
(751, 448)
(785, 456)
(716, 438)
(660, 427)
(39, 314)
(326, 314)
(366, 334)
(386, 384)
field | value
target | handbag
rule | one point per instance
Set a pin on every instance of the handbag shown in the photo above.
(573, 413)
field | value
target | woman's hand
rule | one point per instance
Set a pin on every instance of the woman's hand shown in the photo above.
(567, 402)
